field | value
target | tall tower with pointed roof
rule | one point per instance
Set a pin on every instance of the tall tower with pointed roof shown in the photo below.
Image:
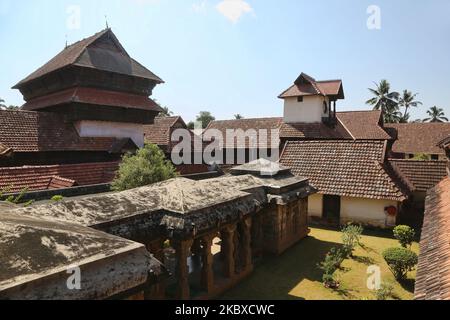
(97, 86)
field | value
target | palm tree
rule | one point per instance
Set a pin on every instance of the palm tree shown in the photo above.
(2, 104)
(436, 115)
(385, 100)
(238, 116)
(407, 100)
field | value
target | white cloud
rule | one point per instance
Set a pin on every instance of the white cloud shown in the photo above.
(234, 9)
(199, 7)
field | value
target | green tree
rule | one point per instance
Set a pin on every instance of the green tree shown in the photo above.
(205, 117)
(407, 100)
(165, 113)
(147, 166)
(191, 125)
(405, 235)
(238, 116)
(400, 261)
(3, 106)
(386, 101)
(436, 114)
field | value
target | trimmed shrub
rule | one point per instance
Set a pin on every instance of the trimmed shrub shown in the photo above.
(385, 292)
(400, 261)
(405, 235)
(351, 237)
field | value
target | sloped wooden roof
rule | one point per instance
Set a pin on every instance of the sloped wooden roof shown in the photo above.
(101, 51)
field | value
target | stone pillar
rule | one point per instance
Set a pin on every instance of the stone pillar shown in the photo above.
(246, 243)
(208, 260)
(228, 250)
(182, 249)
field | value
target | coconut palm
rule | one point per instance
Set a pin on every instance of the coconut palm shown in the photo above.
(407, 100)
(436, 115)
(238, 116)
(385, 100)
(2, 104)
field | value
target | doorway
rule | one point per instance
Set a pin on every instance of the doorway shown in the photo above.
(332, 209)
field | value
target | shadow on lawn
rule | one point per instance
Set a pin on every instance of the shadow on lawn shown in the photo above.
(276, 277)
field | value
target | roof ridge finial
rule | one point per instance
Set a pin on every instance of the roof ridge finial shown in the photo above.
(67, 44)
(106, 21)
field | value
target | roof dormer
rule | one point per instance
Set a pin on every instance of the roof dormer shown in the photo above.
(312, 101)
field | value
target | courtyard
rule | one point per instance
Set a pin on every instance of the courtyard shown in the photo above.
(295, 275)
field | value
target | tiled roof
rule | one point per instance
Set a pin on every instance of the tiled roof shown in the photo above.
(307, 86)
(364, 125)
(160, 132)
(251, 126)
(433, 274)
(313, 131)
(414, 138)
(86, 53)
(57, 176)
(419, 175)
(4, 150)
(95, 97)
(343, 168)
(27, 131)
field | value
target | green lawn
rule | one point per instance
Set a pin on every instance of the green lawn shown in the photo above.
(295, 275)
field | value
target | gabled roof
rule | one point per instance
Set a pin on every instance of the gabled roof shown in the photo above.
(160, 131)
(414, 138)
(94, 97)
(306, 85)
(5, 151)
(364, 124)
(251, 126)
(419, 175)
(433, 271)
(101, 51)
(344, 168)
(35, 178)
(29, 131)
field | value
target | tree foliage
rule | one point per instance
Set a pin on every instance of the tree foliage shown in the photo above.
(351, 238)
(436, 114)
(400, 261)
(405, 235)
(147, 166)
(205, 117)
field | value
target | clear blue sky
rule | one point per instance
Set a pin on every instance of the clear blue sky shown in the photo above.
(210, 62)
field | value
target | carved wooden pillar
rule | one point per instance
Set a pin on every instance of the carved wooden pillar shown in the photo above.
(247, 243)
(182, 249)
(156, 247)
(228, 250)
(208, 260)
